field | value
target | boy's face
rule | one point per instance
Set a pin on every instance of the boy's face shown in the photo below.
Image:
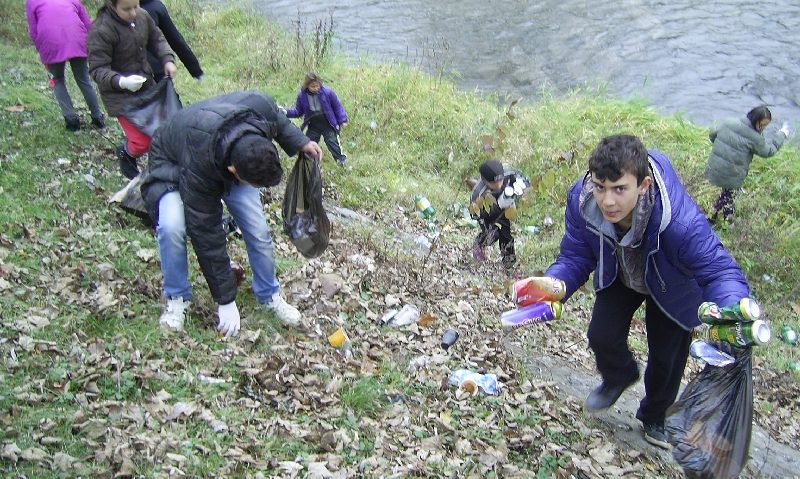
(617, 199)
(495, 185)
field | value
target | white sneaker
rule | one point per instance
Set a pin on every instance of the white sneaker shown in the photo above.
(174, 314)
(285, 312)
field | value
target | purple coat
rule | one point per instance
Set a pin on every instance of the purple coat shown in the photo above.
(331, 107)
(58, 29)
(685, 262)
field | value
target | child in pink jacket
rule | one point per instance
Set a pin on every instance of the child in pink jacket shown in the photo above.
(58, 29)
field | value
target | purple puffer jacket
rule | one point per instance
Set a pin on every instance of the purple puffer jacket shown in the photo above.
(331, 107)
(58, 29)
(685, 263)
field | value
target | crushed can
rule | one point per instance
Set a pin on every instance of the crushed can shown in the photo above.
(745, 310)
(742, 333)
(540, 312)
(535, 289)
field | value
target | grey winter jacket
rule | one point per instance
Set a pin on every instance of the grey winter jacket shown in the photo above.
(190, 154)
(734, 144)
(118, 48)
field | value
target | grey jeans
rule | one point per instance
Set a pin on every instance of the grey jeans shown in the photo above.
(80, 70)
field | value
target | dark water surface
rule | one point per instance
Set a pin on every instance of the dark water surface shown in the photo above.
(704, 59)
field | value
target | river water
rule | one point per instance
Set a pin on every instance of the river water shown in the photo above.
(705, 60)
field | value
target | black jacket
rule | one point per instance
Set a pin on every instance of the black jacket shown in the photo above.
(190, 154)
(158, 12)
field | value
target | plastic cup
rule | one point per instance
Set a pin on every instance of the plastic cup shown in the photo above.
(338, 338)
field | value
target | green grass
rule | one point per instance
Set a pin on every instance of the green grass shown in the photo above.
(65, 253)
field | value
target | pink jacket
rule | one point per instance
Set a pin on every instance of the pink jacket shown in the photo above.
(58, 29)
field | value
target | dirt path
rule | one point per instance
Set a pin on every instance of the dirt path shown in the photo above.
(768, 458)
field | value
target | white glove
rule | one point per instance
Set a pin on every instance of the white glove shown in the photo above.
(132, 82)
(229, 320)
(505, 201)
(785, 129)
(282, 109)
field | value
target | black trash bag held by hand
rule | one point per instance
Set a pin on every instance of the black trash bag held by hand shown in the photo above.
(154, 107)
(304, 218)
(709, 427)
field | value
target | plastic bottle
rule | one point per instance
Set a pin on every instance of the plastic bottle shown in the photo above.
(535, 289)
(700, 349)
(745, 310)
(788, 335)
(424, 206)
(470, 381)
(535, 313)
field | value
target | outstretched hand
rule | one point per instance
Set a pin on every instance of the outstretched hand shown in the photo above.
(313, 150)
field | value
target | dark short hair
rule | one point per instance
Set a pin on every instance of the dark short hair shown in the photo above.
(619, 154)
(310, 78)
(759, 113)
(256, 160)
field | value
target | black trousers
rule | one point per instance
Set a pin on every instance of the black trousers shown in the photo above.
(667, 348)
(319, 126)
(498, 227)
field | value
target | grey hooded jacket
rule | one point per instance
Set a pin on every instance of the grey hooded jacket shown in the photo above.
(734, 144)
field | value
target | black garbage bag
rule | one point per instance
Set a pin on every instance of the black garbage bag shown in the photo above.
(154, 107)
(709, 427)
(304, 218)
(129, 198)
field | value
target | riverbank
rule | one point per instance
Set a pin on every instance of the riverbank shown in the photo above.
(91, 384)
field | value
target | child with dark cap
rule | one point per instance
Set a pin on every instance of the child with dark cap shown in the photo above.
(493, 203)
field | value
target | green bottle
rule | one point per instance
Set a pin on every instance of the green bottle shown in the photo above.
(424, 206)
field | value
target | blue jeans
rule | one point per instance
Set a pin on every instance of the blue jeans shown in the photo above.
(244, 204)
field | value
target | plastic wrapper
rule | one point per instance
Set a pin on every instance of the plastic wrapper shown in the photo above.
(304, 218)
(154, 107)
(709, 427)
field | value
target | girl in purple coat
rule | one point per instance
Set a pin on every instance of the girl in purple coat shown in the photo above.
(59, 29)
(322, 113)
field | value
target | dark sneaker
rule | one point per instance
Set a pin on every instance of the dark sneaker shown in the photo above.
(605, 395)
(98, 123)
(73, 124)
(655, 434)
(127, 164)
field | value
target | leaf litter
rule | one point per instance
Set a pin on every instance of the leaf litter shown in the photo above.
(282, 403)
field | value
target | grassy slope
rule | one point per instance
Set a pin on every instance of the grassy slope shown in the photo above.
(68, 259)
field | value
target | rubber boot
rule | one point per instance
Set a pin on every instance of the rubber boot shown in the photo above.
(127, 163)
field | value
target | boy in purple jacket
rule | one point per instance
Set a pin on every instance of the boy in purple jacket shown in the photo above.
(322, 113)
(631, 222)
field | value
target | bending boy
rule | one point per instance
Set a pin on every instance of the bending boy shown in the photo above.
(630, 221)
(218, 149)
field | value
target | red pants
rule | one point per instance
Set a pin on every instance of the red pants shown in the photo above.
(138, 143)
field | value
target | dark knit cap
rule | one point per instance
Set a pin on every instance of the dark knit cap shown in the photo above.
(491, 170)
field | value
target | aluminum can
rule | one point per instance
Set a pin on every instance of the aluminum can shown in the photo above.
(741, 334)
(535, 289)
(745, 310)
(449, 337)
(540, 312)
